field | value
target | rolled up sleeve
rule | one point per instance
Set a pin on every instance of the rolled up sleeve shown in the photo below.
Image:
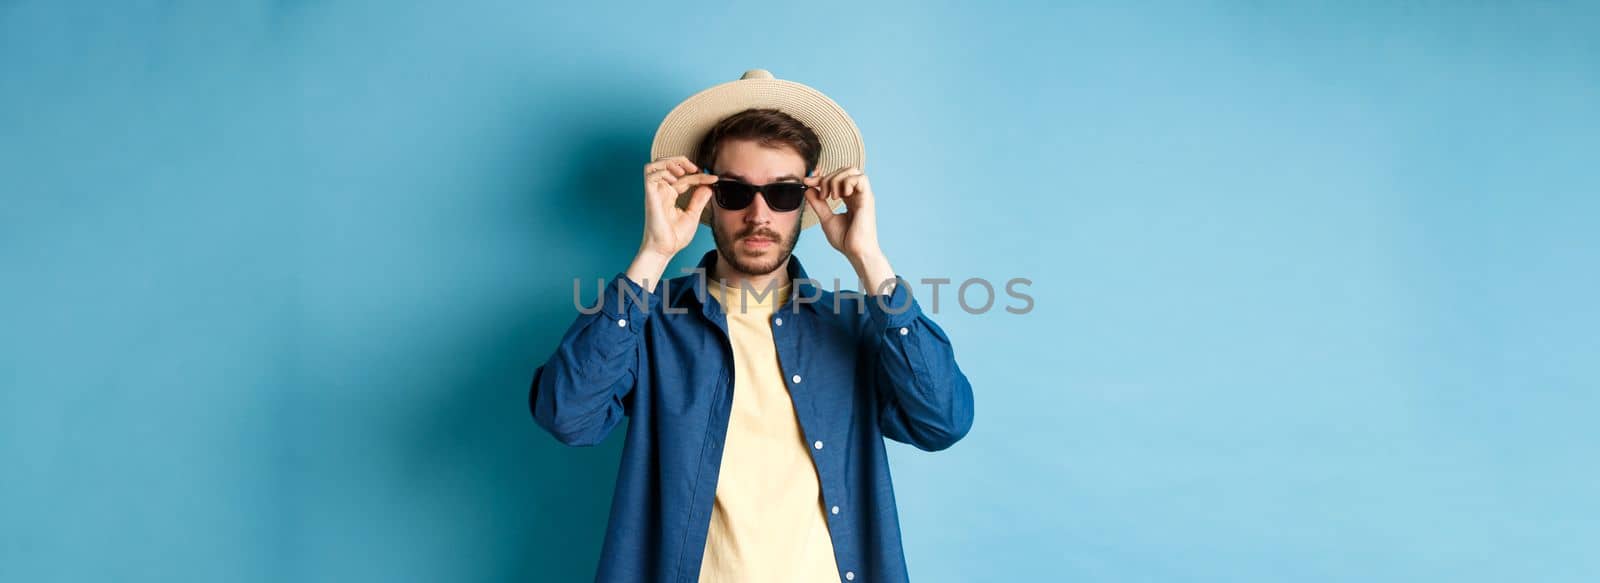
(578, 394)
(926, 401)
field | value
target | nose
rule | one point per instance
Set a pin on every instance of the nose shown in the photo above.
(758, 212)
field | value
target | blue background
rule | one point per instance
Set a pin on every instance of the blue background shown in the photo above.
(1315, 286)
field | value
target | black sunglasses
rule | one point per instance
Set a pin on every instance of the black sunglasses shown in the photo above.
(783, 197)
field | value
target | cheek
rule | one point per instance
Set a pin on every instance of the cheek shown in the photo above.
(794, 228)
(726, 221)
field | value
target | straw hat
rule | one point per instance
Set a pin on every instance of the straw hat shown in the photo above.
(680, 133)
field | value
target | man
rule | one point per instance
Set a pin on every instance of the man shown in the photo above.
(758, 401)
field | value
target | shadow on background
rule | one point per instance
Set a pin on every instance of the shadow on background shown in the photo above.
(544, 506)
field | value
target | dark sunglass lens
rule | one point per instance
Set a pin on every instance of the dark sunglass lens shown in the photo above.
(785, 196)
(734, 195)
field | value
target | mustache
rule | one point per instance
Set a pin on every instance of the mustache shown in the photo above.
(764, 233)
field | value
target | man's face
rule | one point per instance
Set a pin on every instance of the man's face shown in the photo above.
(756, 240)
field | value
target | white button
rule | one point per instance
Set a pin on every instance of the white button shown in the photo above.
(850, 575)
(817, 445)
(621, 323)
(779, 321)
(904, 331)
(797, 378)
(835, 509)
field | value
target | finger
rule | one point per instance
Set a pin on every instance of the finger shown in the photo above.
(663, 174)
(656, 185)
(659, 198)
(697, 204)
(692, 180)
(824, 212)
(821, 182)
(852, 185)
(855, 181)
(836, 182)
(669, 163)
(818, 204)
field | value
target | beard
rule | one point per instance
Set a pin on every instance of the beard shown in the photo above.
(756, 264)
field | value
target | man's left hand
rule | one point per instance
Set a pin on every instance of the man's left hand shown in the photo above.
(855, 231)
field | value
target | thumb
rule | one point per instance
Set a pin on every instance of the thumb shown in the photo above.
(697, 202)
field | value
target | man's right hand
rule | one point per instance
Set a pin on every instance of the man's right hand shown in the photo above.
(667, 228)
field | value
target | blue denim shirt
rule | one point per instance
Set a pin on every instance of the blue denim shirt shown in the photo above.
(859, 369)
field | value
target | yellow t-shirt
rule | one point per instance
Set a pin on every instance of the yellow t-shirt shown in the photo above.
(768, 523)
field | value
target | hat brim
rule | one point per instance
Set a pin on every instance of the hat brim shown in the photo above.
(680, 133)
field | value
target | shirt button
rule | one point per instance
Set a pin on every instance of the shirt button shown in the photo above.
(850, 575)
(778, 321)
(835, 509)
(817, 445)
(622, 322)
(904, 331)
(797, 378)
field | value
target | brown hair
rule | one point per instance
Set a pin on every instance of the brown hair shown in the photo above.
(768, 127)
